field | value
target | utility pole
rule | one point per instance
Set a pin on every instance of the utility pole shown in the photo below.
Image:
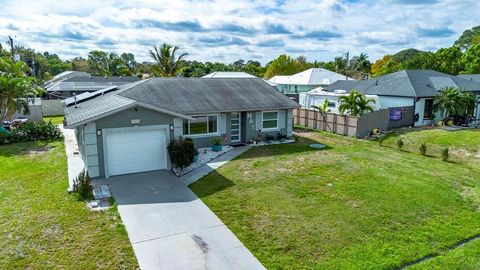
(10, 42)
(347, 64)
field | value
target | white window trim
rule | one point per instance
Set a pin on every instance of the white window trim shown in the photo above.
(274, 128)
(203, 134)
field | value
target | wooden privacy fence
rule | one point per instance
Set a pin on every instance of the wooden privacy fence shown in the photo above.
(341, 124)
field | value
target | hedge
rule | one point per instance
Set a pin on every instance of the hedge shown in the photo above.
(31, 131)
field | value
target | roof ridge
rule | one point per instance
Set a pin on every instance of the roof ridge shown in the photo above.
(410, 82)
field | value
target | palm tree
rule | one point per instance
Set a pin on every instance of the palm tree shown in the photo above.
(449, 102)
(167, 63)
(15, 87)
(322, 109)
(356, 103)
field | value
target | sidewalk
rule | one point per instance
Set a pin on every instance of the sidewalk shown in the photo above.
(74, 158)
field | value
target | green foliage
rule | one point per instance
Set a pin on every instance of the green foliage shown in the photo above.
(355, 103)
(471, 60)
(269, 137)
(322, 108)
(31, 131)
(423, 149)
(217, 141)
(400, 143)
(181, 152)
(381, 139)
(445, 154)
(453, 102)
(283, 65)
(109, 64)
(167, 64)
(83, 185)
(199, 69)
(448, 60)
(469, 38)
(15, 87)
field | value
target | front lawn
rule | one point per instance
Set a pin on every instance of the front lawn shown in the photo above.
(54, 119)
(43, 227)
(463, 144)
(355, 205)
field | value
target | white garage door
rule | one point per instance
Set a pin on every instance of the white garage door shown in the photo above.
(136, 149)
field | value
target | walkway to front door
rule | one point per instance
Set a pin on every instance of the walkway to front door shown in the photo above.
(171, 228)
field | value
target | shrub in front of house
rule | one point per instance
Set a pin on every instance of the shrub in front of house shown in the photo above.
(445, 154)
(400, 143)
(31, 131)
(83, 185)
(181, 152)
(423, 149)
(269, 138)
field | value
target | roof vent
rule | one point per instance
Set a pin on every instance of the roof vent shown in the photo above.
(339, 91)
(106, 77)
(376, 82)
(90, 77)
(120, 77)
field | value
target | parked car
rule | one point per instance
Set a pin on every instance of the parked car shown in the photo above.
(18, 121)
(6, 125)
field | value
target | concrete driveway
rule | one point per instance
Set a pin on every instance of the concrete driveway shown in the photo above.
(171, 228)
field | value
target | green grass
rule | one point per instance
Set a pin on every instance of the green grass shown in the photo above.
(55, 119)
(42, 226)
(355, 205)
(466, 257)
(463, 144)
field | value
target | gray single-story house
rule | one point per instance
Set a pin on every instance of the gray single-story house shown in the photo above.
(127, 130)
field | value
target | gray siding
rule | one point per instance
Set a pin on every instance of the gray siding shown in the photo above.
(93, 151)
(122, 119)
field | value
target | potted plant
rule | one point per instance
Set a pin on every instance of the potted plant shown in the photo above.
(197, 155)
(268, 138)
(216, 144)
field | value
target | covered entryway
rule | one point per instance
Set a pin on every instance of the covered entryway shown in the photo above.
(135, 149)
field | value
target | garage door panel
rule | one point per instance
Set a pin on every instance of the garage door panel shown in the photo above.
(136, 150)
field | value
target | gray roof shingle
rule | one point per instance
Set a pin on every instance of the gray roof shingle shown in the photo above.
(185, 96)
(407, 83)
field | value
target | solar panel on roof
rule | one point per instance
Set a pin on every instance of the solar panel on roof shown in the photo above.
(87, 96)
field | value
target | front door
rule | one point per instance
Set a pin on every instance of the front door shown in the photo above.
(235, 121)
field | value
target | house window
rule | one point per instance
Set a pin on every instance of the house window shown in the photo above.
(269, 120)
(428, 109)
(332, 104)
(203, 124)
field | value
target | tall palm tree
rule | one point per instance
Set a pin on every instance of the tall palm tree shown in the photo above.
(356, 103)
(448, 102)
(15, 87)
(167, 63)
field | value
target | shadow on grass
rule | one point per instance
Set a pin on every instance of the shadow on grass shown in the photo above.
(301, 145)
(211, 184)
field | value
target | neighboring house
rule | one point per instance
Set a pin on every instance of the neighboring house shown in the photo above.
(65, 75)
(317, 97)
(409, 92)
(229, 74)
(68, 86)
(306, 80)
(128, 129)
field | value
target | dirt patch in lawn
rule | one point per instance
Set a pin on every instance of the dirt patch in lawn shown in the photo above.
(37, 150)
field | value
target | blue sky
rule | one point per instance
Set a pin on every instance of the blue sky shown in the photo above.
(229, 30)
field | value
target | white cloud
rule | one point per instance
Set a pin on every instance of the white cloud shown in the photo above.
(226, 30)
